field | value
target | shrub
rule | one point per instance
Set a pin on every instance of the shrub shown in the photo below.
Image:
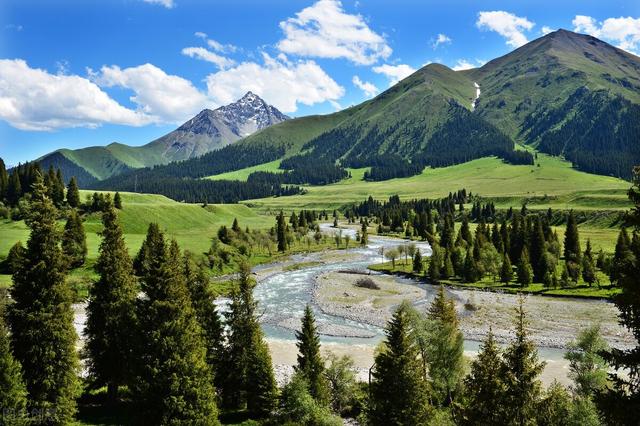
(367, 283)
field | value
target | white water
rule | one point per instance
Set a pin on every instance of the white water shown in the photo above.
(475, 101)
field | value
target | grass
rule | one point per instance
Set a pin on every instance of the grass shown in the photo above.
(580, 290)
(243, 174)
(300, 265)
(554, 183)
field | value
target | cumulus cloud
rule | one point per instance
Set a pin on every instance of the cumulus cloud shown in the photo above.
(394, 73)
(325, 30)
(369, 89)
(464, 64)
(280, 82)
(169, 4)
(546, 30)
(34, 99)
(508, 25)
(209, 56)
(163, 97)
(623, 31)
(440, 40)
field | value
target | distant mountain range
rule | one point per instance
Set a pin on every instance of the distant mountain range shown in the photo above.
(564, 94)
(207, 131)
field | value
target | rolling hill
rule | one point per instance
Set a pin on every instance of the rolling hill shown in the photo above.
(209, 130)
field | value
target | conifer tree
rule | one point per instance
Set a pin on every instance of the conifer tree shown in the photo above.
(15, 257)
(364, 234)
(250, 381)
(58, 189)
(484, 387)
(235, 226)
(398, 391)
(435, 262)
(588, 265)
(310, 363)
(74, 240)
(13, 394)
(587, 368)
(203, 301)
(117, 201)
(417, 262)
(447, 266)
(525, 273)
(506, 270)
(111, 311)
(281, 232)
(621, 254)
(174, 383)
(471, 270)
(73, 195)
(152, 244)
(465, 232)
(444, 354)
(520, 373)
(4, 180)
(572, 240)
(537, 250)
(41, 315)
(14, 189)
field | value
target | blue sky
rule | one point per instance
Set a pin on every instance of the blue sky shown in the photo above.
(77, 73)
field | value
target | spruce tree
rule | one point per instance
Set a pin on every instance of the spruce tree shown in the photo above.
(588, 265)
(41, 316)
(281, 232)
(537, 250)
(13, 394)
(203, 301)
(398, 393)
(14, 189)
(471, 270)
(152, 244)
(117, 201)
(4, 180)
(525, 273)
(174, 383)
(73, 195)
(310, 363)
(417, 262)
(111, 311)
(484, 387)
(520, 373)
(74, 240)
(15, 257)
(447, 266)
(621, 254)
(435, 262)
(572, 240)
(250, 381)
(506, 270)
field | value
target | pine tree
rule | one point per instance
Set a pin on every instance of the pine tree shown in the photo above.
(364, 234)
(58, 189)
(537, 250)
(435, 262)
(15, 257)
(203, 301)
(465, 232)
(153, 243)
(74, 240)
(13, 394)
(14, 189)
(587, 368)
(484, 387)
(398, 393)
(73, 195)
(506, 270)
(525, 273)
(622, 403)
(471, 270)
(520, 373)
(572, 240)
(174, 383)
(621, 254)
(417, 262)
(235, 226)
(250, 381)
(310, 363)
(117, 201)
(111, 313)
(4, 180)
(41, 315)
(447, 266)
(444, 354)
(588, 265)
(281, 232)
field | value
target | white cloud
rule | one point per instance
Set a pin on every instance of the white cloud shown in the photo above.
(506, 24)
(394, 73)
(440, 40)
(209, 56)
(546, 30)
(222, 48)
(369, 89)
(200, 34)
(165, 98)
(325, 30)
(281, 83)
(34, 99)
(623, 31)
(169, 4)
(464, 64)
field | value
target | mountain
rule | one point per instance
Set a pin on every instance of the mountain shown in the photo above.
(207, 131)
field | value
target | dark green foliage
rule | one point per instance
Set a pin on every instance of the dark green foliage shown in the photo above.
(74, 240)
(520, 374)
(111, 311)
(417, 262)
(173, 384)
(4, 180)
(398, 391)
(471, 270)
(310, 363)
(587, 368)
(506, 270)
(13, 394)
(588, 265)
(555, 407)
(41, 315)
(147, 257)
(15, 257)
(341, 379)
(203, 301)
(298, 407)
(484, 387)
(435, 264)
(117, 201)
(14, 189)
(537, 250)
(73, 195)
(281, 232)
(622, 254)
(525, 273)
(249, 381)
(572, 251)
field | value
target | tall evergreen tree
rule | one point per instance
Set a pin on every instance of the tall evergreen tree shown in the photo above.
(174, 383)
(572, 252)
(117, 201)
(622, 403)
(537, 250)
(281, 232)
(111, 311)
(41, 316)
(73, 194)
(588, 265)
(587, 368)
(74, 240)
(484, 387)
(417, 262)
(148, 254)
(398, 391)
(13, 394)
(4, 180)
(14, 189)
(525, 273)
(621, 254)
(203, 300)
(520, 373)
(506, 270)
(250, 381)
(471, 270)
(310, 363)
